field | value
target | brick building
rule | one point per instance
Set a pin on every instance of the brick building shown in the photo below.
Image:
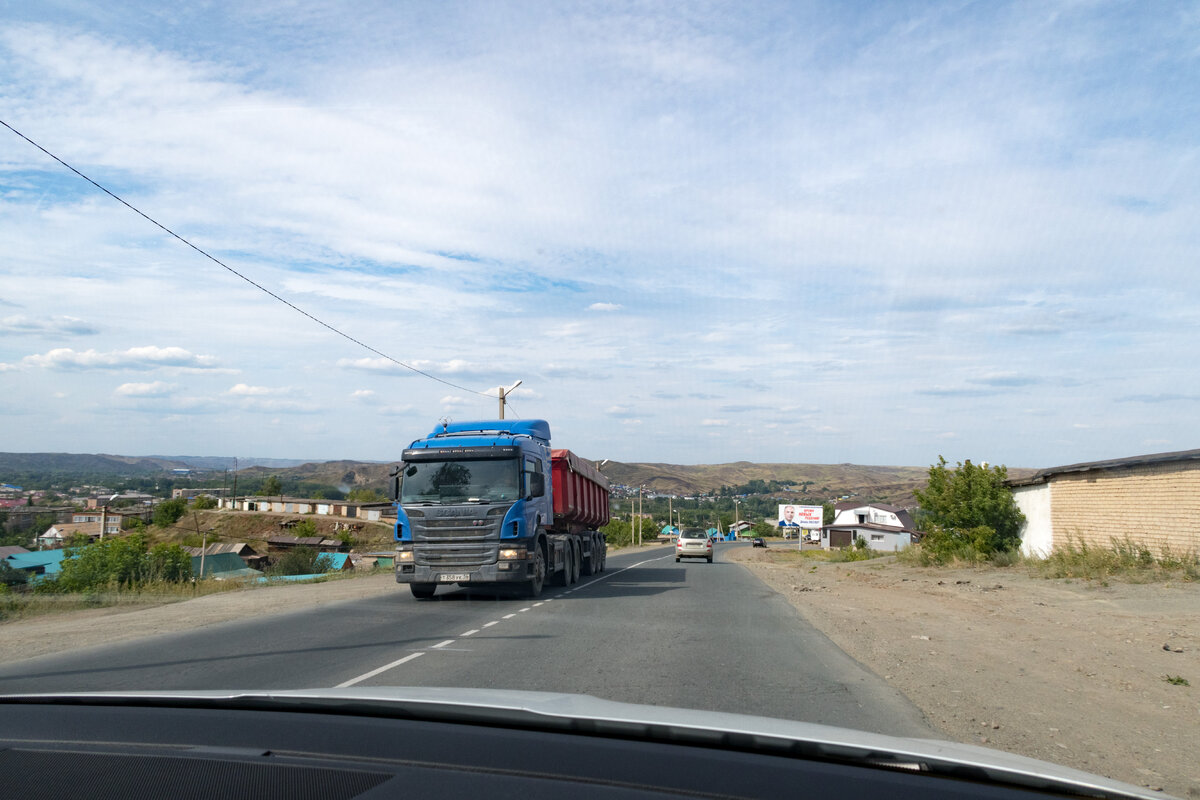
(1152, 500)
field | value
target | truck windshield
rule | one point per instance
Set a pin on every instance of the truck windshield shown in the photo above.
(482, 481)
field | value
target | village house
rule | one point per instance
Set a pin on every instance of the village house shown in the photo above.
(880, 525)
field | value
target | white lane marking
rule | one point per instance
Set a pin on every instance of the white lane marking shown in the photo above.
(535, 605)
(469, 633)
(439, 645)
(522, 610)
(375, 672)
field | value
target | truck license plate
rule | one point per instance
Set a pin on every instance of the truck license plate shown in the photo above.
(454, 577)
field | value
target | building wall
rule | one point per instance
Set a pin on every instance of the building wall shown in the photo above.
(1156, 505)
(1037, 534)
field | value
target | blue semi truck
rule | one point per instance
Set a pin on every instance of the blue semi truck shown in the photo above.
(489, 502)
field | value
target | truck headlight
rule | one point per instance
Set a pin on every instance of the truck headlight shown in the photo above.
(404, 556)
(512, 554)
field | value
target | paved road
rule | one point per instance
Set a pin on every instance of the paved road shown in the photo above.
(647, 630)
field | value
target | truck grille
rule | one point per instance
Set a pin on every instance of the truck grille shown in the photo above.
(456, 555)
(456, 541)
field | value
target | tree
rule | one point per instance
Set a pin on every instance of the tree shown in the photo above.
(365, 495)
(168, 512)
(271, 487)
(204, 502)
(970, 506)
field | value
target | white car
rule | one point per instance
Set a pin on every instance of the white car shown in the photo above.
(693, 543)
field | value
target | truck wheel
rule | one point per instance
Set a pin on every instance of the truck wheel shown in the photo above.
(576, 563)
(534, 587)
(423, 591)
(564, 578)
(588, 565)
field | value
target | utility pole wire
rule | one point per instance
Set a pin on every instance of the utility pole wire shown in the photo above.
(222, 264)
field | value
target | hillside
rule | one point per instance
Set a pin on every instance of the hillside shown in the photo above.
(86, 463)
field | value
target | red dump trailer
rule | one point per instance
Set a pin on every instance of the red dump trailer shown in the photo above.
(580, 493)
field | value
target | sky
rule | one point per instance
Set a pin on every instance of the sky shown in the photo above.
(817, 232)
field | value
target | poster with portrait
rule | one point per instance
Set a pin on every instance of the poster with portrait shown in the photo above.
(794, 516)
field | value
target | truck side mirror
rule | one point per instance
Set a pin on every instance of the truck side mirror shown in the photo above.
(394, 484)
(537, 484)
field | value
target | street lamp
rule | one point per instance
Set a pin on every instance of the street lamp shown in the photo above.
(735, 514)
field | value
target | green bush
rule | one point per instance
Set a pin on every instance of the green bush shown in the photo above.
(120, 561)
(168, 512)
(204, 502)
(301, 561)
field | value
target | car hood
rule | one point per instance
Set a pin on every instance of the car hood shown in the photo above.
(595, 716)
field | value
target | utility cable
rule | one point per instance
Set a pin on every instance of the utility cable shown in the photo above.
(250, 281)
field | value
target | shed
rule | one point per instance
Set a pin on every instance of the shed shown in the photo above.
(1146, 500)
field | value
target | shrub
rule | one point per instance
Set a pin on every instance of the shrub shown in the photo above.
(168, 512)
(204, 502)
(302, 561)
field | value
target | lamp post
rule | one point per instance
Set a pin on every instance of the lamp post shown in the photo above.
(505, 393)
(735, 515)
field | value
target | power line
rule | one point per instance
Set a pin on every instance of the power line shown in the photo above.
(225, 266)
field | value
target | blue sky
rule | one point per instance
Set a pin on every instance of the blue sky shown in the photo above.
(811, 232)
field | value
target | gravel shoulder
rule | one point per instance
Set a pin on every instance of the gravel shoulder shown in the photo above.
(1066, 671)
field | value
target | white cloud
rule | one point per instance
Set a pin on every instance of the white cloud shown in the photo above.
(154, 389)
(51, 326)
(604, 307)
(135, 358)
(363, 395)
(714, 423)
(245, 390)
(451, 400)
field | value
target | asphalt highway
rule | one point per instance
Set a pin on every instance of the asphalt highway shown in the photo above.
(646, 630)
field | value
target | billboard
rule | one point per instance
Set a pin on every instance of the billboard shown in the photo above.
(792, 516)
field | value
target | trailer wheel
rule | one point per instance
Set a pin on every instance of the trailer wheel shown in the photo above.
(423, 591)
(564, 578)
(534, 587)
(588, 565)
(576, 559)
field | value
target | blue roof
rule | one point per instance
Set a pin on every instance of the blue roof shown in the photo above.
(335, 561)
(37, 558)
(218, 562)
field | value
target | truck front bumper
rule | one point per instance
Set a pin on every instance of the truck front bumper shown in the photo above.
(501, 572)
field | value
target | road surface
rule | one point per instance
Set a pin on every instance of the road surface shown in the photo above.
(647, 630)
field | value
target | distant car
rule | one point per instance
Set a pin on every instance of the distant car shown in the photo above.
(759, 541)
(693, 543)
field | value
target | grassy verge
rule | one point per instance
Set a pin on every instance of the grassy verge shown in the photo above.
(15, 605)
(22, 605)
(1123, 560)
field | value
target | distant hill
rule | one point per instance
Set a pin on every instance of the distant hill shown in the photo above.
(892, 484)
(86, 463)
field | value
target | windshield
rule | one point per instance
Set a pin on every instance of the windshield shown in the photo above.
(759, 267)
(484, 480)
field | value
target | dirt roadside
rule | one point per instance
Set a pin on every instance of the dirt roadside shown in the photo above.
(1066, 671)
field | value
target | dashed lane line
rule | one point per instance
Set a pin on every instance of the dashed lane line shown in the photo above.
(442, 645)
(374, 672)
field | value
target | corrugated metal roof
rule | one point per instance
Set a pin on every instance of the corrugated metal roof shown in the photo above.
(1113, 463)
(37, 558)
(11, 550)
(221, 562)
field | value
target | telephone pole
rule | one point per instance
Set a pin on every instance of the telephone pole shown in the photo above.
(504, 393)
